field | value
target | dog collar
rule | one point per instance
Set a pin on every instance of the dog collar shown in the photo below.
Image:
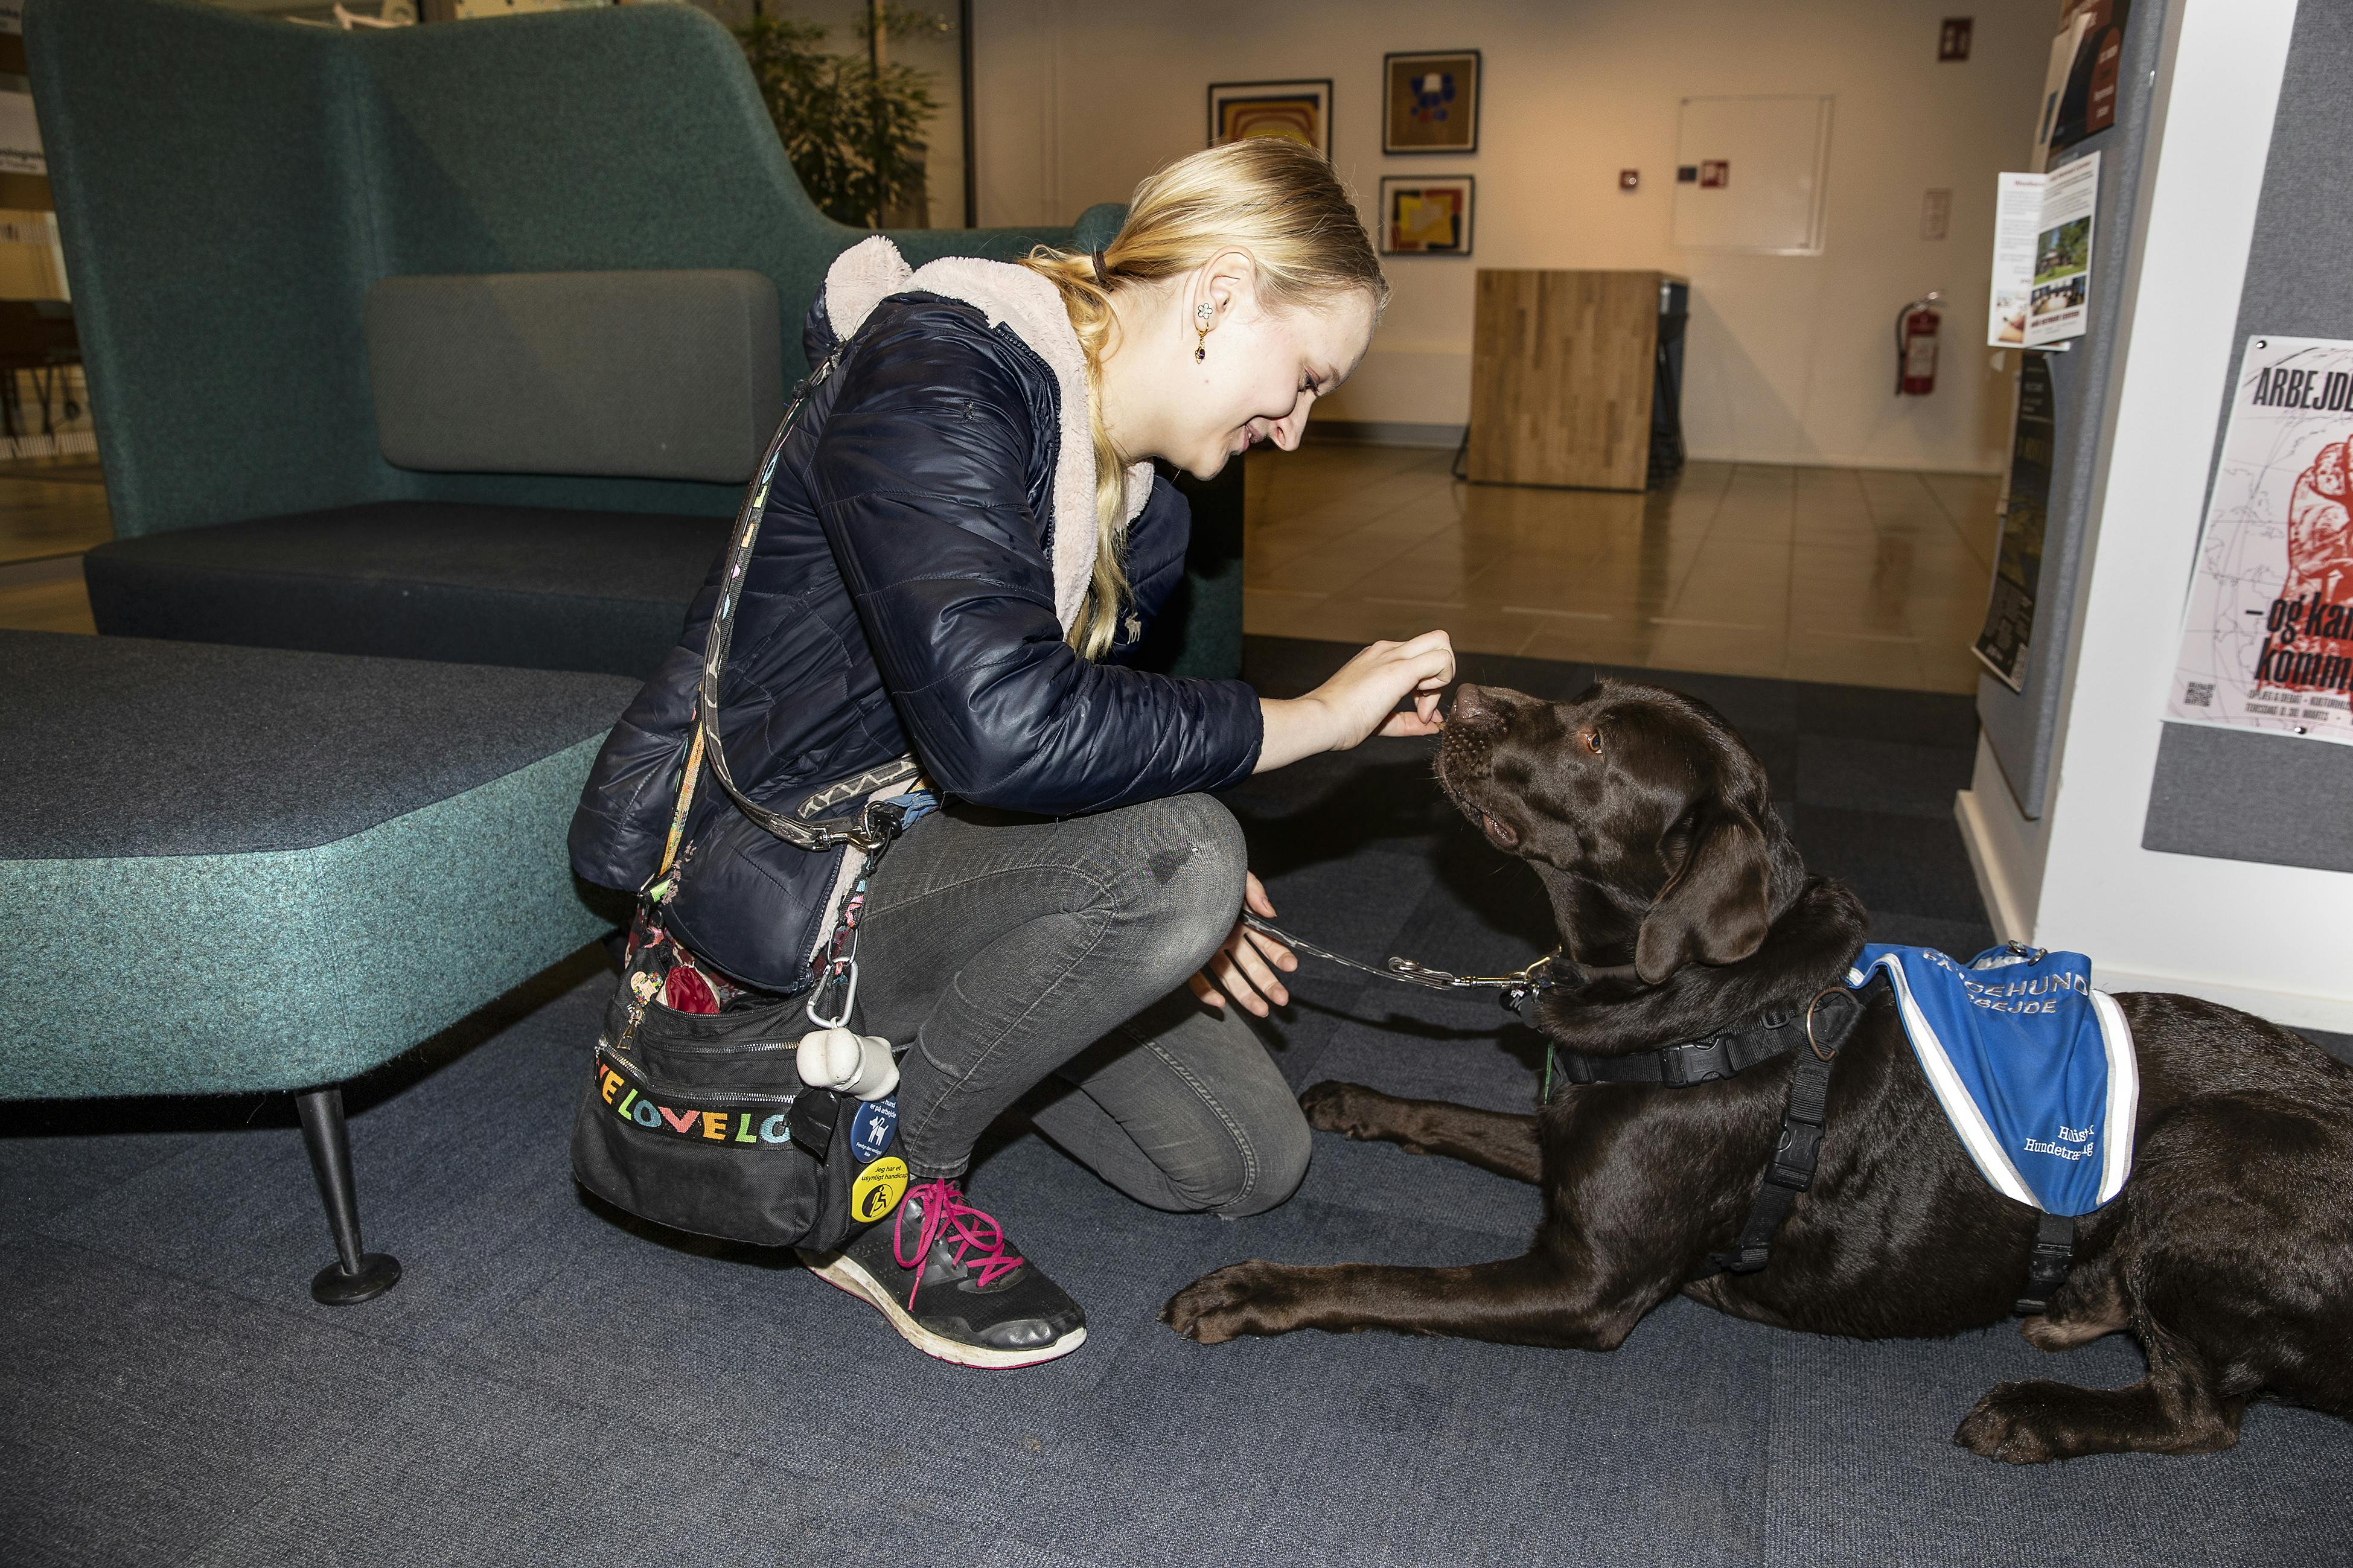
(1824, 1022)
(1823, 1025)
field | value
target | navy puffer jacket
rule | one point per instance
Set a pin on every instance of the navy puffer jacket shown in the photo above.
(928, 531)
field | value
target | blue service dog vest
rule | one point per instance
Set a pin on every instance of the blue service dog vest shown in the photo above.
(2034, 1069)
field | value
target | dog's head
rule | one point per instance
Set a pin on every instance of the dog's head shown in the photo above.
(1650, 823)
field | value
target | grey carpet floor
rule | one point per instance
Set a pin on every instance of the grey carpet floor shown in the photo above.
(547, 1385)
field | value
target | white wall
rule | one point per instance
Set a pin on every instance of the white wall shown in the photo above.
(2272, 939)
(1790, 358)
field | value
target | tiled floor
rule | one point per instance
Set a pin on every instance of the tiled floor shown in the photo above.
(1868, 577)
(50, 513)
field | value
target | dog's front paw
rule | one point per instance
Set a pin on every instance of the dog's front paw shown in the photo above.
(1238, 1299)
(1348, 1108)
(2013, 1423)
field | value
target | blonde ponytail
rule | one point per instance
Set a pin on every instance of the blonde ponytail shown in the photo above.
(1276, 199)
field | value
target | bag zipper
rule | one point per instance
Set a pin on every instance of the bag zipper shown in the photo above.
(646, 1085)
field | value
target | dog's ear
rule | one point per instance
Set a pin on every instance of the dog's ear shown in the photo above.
(1716, 908)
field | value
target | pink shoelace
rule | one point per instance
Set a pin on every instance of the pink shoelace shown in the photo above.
(979, 1240)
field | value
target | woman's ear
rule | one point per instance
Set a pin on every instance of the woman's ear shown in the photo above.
(1715, 909)
(1229, 282)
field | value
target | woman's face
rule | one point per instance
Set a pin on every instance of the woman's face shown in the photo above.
(1261, 373)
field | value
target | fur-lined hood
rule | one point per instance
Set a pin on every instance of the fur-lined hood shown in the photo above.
(1018, 300)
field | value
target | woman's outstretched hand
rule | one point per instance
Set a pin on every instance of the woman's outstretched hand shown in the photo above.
(1361, 700)
(1245, 962)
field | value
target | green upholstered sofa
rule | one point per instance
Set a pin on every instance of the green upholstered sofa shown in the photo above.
(237, 869)
(235, 196)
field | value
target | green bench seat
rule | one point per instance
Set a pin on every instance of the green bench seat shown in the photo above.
(237, 869)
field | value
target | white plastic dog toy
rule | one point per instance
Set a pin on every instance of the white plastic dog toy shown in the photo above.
(858, 1065)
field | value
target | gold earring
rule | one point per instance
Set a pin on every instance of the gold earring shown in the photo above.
(1202, 316)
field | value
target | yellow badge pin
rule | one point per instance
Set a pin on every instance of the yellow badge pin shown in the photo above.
(877, 1190)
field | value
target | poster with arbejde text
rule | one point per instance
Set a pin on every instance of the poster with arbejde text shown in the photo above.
(2267, 636)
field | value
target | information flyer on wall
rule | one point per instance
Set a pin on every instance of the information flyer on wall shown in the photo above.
(2063, 50)
(2267, 640)
(2094, 33)
(2026, 502)
(2042, 255)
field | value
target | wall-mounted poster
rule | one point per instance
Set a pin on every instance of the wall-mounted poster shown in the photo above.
(2267, 641)
(2025, 503)
(1301, 111)
(1426, 217)
(1430, 102)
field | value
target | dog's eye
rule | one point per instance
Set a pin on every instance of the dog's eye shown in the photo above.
(1592, 739)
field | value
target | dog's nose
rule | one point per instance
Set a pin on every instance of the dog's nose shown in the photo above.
(1473, 706)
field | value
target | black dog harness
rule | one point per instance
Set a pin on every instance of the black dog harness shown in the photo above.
(1821, 1029)
(1816, 1035)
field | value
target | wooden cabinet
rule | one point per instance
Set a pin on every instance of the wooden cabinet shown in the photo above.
(1561, 377)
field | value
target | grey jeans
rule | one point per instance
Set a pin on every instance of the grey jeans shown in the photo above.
(1002, 950)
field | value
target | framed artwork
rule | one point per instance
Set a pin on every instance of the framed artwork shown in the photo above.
(1301, 111)
(1430, 102)
(1426, 217)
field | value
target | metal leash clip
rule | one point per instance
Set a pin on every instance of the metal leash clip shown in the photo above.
(841, 954)
(1534, 977)
(877, 826)
(1537, 976)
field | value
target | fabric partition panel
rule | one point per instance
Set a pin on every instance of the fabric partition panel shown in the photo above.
(2022, 727)
(2227, 794)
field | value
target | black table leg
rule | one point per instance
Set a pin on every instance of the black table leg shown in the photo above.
(355, 1275)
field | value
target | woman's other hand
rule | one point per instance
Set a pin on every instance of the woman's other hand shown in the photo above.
(1245, 963)
(1361, 700)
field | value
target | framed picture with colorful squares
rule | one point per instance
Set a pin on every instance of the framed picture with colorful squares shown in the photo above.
(1429, 101)
(1426, 217)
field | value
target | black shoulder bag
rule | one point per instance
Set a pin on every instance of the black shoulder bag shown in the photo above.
(700, 1120)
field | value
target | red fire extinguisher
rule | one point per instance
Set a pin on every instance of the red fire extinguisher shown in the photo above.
(1915, 346)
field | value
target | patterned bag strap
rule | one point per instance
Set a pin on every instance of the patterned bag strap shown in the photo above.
(873, 822)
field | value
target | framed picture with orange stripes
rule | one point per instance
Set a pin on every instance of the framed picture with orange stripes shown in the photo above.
(1301, 111)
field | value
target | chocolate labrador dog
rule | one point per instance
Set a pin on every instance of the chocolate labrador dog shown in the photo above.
(1686, 910)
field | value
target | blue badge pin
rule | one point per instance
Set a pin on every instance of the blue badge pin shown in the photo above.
(871, 1130)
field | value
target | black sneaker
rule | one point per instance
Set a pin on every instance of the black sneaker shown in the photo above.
(973, 1301)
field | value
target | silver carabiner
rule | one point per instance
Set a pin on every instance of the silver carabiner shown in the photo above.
(849, 1000)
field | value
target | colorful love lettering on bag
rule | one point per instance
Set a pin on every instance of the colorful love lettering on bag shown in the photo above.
(735, 1127)
(878, 1188)
(874, 1126)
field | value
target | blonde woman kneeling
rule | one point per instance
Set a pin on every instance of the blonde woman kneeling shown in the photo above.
(963, 542)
